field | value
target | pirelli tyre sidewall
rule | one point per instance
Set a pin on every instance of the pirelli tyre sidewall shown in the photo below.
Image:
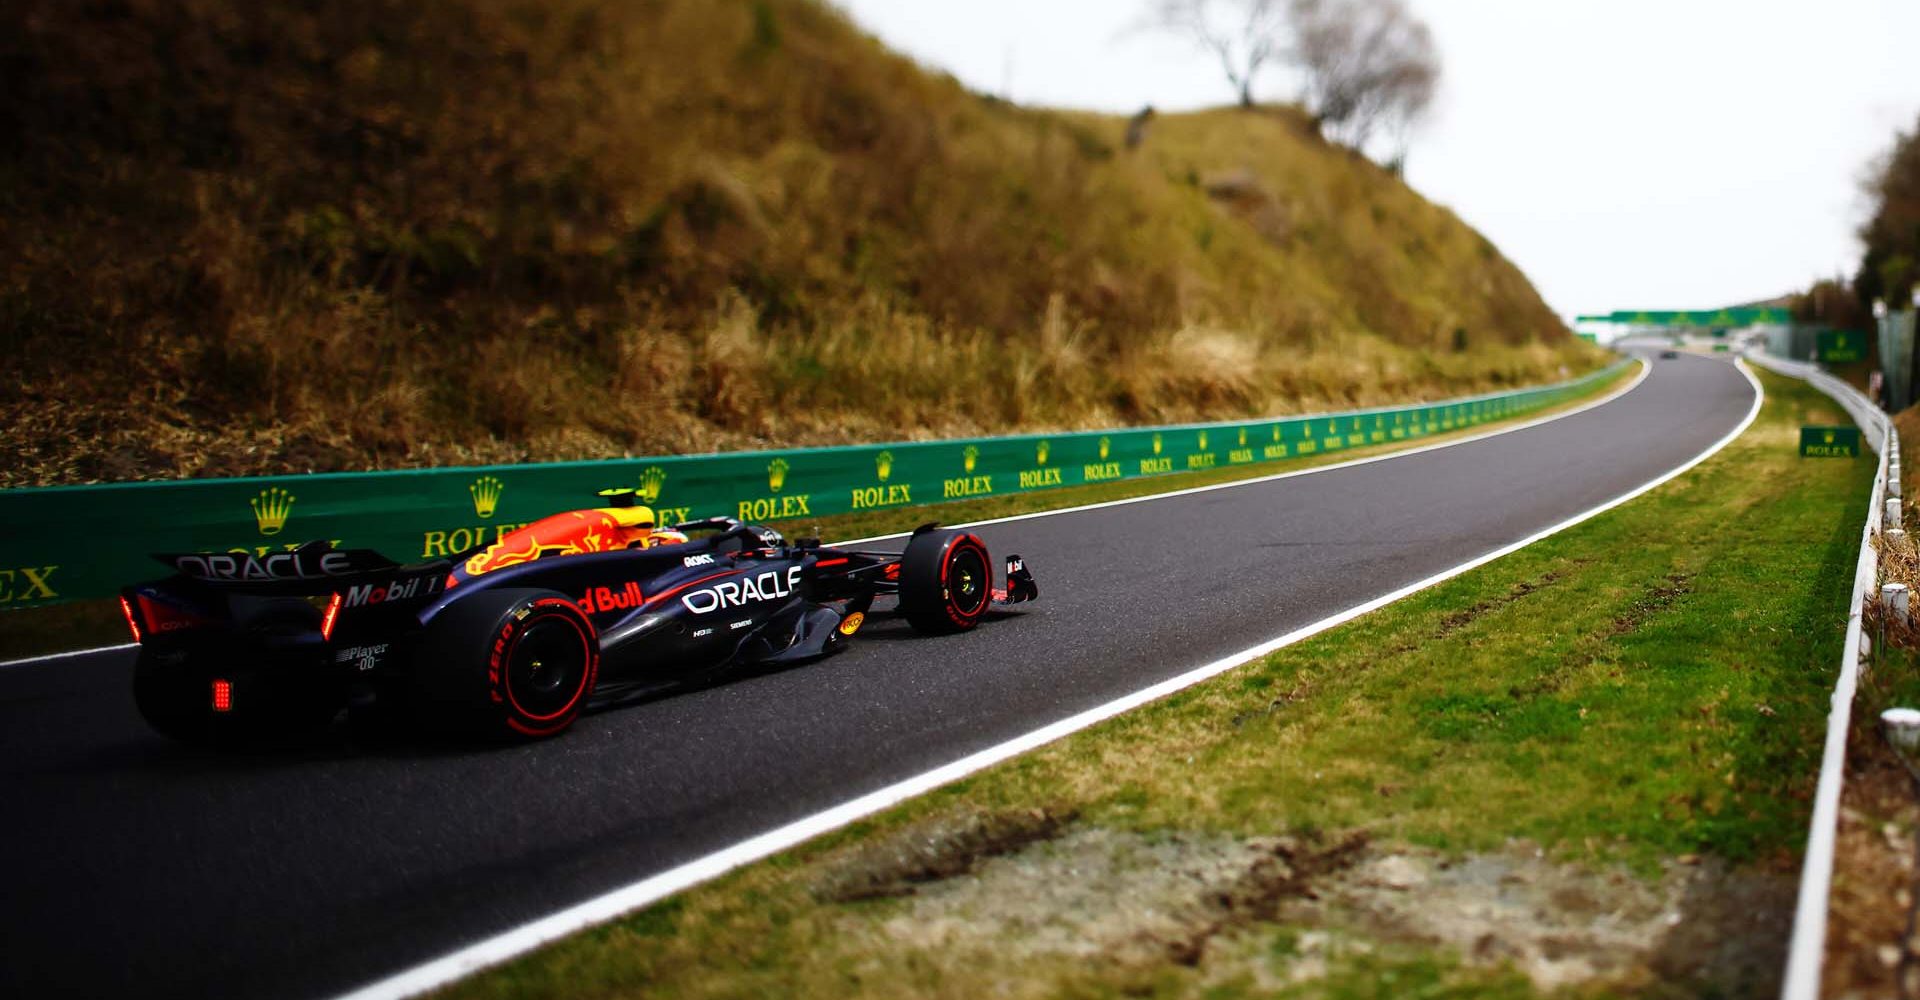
(946, 581)
(266, 679)
(512, 664)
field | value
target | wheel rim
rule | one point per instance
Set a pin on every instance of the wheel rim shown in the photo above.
(967, 581)
(547, 667)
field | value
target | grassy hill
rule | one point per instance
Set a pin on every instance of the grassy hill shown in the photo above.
(249, 236)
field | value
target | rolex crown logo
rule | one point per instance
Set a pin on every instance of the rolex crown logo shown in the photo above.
(1276, 432)
(972, 457)
(777, 474)
(1203, 440)
(1106, 446)
(270, 509)
(486, 495)
(1040, 452)
(1243, 437)
(883, 465)
(652, 481)
(1156, 444)
(1829, 437)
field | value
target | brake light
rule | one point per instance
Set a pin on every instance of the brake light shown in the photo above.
(132, 625)
(222, 695)
(332, 615)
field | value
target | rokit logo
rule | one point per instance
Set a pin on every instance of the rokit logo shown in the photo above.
(398, 590)
(700, 560)
(768, 586)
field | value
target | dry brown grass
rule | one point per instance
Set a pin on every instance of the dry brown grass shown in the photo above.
(250, 237)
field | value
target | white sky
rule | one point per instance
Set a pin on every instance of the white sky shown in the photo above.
(1626, 154)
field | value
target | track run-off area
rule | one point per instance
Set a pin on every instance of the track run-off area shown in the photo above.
(141, 868)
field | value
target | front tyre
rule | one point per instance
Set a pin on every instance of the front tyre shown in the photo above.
(946, 582)
(514, 664)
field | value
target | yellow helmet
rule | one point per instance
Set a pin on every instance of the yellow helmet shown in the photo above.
(625, 512)
(632, 517)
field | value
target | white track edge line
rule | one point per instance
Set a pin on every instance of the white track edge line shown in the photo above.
(1807, 945)
(30, 660)
(1645, 368)
(527, 937)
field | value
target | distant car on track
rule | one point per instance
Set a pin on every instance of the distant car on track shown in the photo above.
(515, 638)
(1669, 355)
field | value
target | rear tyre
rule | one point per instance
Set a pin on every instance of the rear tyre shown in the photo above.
(509, 664)
(946, 582)
(265, 682)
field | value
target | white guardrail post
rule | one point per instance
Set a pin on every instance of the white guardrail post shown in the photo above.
(1806, 951)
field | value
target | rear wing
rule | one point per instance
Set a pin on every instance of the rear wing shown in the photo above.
(316, 568)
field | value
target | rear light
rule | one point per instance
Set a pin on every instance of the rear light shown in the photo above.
(327, 620)
(222, 695)
(132, 624)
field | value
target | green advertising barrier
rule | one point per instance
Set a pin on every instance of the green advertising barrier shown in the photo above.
(71, 542)
(1829, 442)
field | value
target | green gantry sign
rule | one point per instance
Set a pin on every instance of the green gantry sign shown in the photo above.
(1829, 442)
(1842, 345)
(1715, 318)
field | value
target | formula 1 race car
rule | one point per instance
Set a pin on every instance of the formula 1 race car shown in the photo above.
(515, 638)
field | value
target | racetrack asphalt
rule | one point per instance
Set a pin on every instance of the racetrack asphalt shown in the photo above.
(138, 868)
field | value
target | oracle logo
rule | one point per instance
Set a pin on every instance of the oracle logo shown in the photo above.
(768, 586)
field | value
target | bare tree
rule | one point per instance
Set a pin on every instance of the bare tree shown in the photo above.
(1365, 65)
(1245, 35)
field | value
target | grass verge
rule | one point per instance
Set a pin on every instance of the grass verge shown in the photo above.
(1580, 770)
(88, 624)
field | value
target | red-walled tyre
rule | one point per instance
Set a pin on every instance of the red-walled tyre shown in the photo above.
(946, 582)
(513, 664)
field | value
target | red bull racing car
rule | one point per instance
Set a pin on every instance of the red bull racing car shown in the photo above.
(514, 639)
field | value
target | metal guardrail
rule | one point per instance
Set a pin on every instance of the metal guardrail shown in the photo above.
(63, 543)
(1806, 950)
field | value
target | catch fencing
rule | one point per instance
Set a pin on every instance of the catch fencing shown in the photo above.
(68, 543)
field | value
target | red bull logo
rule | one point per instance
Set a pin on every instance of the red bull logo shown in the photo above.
(600, 600)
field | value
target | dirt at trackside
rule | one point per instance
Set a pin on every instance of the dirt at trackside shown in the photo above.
(1202, 900)
(1873, 866)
